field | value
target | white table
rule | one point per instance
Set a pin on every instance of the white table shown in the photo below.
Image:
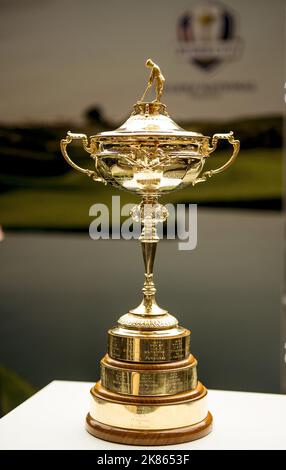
(54, 419)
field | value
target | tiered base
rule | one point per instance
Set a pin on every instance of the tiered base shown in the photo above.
(149, 393)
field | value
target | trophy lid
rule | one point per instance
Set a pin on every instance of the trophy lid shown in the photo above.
(150, 119)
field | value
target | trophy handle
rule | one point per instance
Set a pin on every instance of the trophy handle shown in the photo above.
(236, 145)
(64, 143)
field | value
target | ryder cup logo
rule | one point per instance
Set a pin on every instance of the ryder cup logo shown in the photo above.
(207, 35)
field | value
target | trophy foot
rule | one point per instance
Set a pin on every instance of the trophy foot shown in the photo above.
(147, 322)
(147, 437)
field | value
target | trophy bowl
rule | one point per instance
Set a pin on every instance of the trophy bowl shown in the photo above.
(150, 154)
(149, 393)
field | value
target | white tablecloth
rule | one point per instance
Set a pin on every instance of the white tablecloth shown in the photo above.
(54, 418)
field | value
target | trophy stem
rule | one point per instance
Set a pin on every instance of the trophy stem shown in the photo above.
(149, 289)
(149, 239)
(149, 212)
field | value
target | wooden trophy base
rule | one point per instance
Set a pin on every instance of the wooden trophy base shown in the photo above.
(149, 437)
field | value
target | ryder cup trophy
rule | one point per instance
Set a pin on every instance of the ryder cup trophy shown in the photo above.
(149, 393)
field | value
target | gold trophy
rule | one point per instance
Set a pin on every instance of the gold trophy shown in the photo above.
(149, 393)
